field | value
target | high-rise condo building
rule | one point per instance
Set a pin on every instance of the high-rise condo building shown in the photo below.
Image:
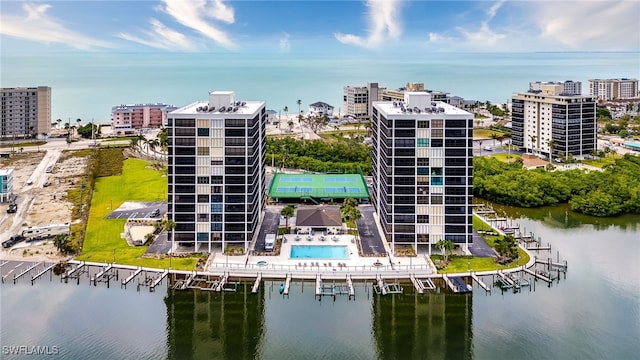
(546, 120)
(613, 89)
(128, 118)
(569, 87)
(422, 171)
(26, 112)
(217, 171)
(358, 100)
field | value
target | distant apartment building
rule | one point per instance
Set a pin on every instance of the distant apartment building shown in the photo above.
(217, 171)
(422, 171)
(569, 87)
(26, 112)
(547, 117)
(128, 118)
(6, 184)
(320, 108)
(613, 89)
(358, 100)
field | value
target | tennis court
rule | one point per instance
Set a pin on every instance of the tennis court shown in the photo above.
(318, 186)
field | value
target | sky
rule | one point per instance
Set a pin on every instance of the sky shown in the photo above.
(303, 27)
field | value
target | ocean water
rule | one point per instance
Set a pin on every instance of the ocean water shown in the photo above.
(87, 85)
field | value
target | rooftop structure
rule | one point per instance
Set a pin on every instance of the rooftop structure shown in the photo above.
(26, 112)
(217, 171)
(320, 108)
(422, 166)
(569, 87)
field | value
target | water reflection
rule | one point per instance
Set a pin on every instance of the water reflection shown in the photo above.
(420, 326)
(562, 217)
(209, 325)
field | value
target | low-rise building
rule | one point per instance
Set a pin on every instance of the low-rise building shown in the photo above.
(6, 184)
(320, 108)
(128, 118)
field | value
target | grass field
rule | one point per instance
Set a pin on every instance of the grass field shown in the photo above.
(102, 241)
(459, 264)
(600, 163)
(506, 157)
(485, 133)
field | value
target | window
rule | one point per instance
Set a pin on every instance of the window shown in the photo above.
(423, 142)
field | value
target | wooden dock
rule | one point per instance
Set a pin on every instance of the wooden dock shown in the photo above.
(538, 276)
(131, 277)
(287, 285)
(38, 275)
(508, 280)
(416, 284)
(16, 277)
(256, 284)
(481, 283)
(158, 280)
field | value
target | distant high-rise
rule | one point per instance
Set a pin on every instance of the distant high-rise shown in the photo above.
(549, 119)
(613, 89)
(358, 100)
(569, 87)
(422, 171)
(127, 118)
(217, 171)
(26, 111)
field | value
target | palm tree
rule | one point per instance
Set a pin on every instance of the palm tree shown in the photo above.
(299, 102)
(495, 136)
(59, 121)
(552, 145)
(78, 121)
(286, 111)
(533, 139)
(286, 213)
(446, 246)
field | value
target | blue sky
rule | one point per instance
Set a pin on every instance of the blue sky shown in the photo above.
(396, 28)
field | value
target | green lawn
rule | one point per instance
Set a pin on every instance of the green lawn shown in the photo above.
(459, 264)
(102, 239)
(506, 157)
(609, 160)
(485, 133)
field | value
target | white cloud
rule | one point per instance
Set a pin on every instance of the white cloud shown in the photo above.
(195, 14)
(38, 26)
(384, 23)
(162, 37)
(284, 43)
(590, 25)
(548, 26)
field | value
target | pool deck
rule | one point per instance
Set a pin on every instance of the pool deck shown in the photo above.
(283, 263)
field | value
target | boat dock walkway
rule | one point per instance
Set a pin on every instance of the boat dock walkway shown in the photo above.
(38, 275)
(480, 282)
(256, 284)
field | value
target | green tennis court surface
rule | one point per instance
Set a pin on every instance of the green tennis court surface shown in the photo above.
(318, 186)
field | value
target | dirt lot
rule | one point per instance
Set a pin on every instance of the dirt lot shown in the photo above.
(39, 205)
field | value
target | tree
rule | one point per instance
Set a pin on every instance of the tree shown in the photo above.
(446, 246)
(62, 242)
(286, 111)
(495, 136)
(314, 122)
(552, 145)
(58, 121)
(624, 133)
(299, 102)
(286, 213)
(533, 139)
(506, 246)
(351, 213)
(148, 238)
(350, 202)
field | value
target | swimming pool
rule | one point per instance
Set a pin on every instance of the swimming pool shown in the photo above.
(319, 252)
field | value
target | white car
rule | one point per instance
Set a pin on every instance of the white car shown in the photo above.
(488, 148)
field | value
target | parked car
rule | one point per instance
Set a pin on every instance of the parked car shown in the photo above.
(155, 212)
(488, 148)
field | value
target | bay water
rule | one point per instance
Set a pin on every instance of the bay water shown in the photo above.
(592, 313)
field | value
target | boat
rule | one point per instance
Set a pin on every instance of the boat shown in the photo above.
(281, 288)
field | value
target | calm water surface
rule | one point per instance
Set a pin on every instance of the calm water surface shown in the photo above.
(592, 314)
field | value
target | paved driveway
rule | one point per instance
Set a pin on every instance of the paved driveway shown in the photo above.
(138, 210)
(270, 224)
(370, 238)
